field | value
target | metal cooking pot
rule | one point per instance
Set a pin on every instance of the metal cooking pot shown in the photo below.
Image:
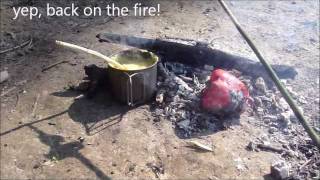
(134, 86)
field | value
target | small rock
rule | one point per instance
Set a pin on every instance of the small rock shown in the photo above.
(176, 98)
(159, 112)
(260, 111)
(132, 167)
(183, 114)
(283, 104)
(240, 164)
(4, 76)
(160, 96)
(257, 101)
(184, 124)
(81, 139)
(252, 146)
(266, 121)
(285, 117)
(315, 174)
(272, 130)
(260, 85)
(271, 118)
(302, 100)
(280, 170)
(285, 131)
(156, 119)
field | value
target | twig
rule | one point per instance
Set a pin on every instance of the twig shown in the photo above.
(181, 82)
(30, 44)
(164, 73)
(53, 65)
(35, 105)
(17, 47)
(270, 148)
(304, 164)
(188, 79)
(17, 100)
(199, 145)
(8, 91)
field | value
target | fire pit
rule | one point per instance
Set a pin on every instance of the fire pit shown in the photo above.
(178, 98)
(182, 75)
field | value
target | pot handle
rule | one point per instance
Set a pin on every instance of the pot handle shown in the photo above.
(129, 89)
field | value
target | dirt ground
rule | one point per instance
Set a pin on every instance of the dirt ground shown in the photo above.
(123, 143)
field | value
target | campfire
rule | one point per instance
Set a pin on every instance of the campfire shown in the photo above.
(179, 92)
(180, 87)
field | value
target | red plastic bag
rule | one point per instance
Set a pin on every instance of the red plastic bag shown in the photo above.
(225, 94)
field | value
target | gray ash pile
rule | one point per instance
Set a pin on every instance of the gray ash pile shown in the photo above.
(284, 135)
(178, 98)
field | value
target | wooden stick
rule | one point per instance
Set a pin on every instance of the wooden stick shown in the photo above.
(52, 65)
(92, 52)
(8, 91)
(17, 47)
(270, 148)
(304, 164)
(35, 106)
(17, 100)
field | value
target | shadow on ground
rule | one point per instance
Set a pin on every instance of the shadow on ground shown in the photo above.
(102, 111)
(95, 114)
(61, 151)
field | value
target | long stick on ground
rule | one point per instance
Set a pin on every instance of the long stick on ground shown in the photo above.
(16, 47)
(53, 65)
(92, 52)
(311, 132)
